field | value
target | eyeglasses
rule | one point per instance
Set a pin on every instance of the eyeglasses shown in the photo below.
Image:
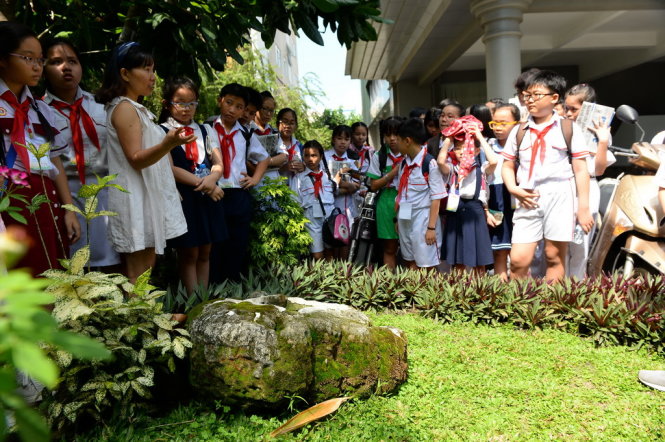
(288, 123)
(30, 61)
(183, 106)
(268, 111)
(533, 97)
(501, 124)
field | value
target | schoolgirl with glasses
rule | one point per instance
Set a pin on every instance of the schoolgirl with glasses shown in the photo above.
(196, 167)
(25, 120)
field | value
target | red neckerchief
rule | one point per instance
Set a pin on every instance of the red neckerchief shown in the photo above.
(318, 183)
(362, 153)
(266, 131)
(396, 159)
(17, 135)
(338, 158)
(191, 149)
(226, 143)
(404, 181)
(538, 146)
(292, 151)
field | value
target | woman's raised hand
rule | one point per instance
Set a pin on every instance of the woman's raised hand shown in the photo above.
(176, 137)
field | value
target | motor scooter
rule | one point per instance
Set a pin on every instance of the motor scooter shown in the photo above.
(630, 237)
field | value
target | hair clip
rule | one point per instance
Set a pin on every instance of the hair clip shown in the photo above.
(122, 51)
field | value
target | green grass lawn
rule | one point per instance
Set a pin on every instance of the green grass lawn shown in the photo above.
(465, 382)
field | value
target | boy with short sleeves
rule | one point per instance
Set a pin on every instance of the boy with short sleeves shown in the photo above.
(235, 181)
(545, 183)
(419, 195)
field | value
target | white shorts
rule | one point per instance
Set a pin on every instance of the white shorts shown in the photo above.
(412, 239)
(578, 254)
(315, 229)
(554, 218)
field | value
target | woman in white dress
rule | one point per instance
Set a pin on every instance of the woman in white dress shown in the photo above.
(150, 213)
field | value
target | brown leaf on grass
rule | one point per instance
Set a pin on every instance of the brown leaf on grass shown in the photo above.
(311, 414)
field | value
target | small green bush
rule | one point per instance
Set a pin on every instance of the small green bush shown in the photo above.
(278, 233)
(130, 322)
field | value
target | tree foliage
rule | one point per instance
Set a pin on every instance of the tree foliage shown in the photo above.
(190, 34)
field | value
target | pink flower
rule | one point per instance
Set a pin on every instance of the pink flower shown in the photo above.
(18, 177)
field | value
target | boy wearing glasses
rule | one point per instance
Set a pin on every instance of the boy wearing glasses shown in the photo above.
(551, 168)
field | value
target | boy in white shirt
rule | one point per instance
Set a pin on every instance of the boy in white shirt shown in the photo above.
(544, 185)
(419, 195)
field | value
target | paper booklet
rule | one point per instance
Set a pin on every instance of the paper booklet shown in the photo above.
(270, 142)
(336, 166)
(589, 113)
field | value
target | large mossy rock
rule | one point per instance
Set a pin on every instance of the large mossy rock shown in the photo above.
(260, 351)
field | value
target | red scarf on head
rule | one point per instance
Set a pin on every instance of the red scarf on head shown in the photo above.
(460, 129)
(227, 146)
(318, 183)
(538, 146)
(78, 115)
(17, 135)
(292, 151)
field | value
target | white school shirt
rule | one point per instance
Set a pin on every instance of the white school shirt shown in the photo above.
(344, 202)
(419, 193)
(467, 187)
(556, 165)
(284, 148)
(96, 161)
(303, 186)
(34, 133)
(659, 138)
(374, 172)
(255, 153)
(212, 142)
(496, 177)
(365, 154)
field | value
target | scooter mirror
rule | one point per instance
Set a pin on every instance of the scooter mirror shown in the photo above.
(627, 114)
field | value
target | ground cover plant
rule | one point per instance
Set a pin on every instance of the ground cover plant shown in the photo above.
(466, 381)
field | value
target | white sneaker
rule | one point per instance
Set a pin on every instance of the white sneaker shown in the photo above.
(653, 378)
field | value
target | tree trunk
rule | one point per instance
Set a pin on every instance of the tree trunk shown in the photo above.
(129, 29)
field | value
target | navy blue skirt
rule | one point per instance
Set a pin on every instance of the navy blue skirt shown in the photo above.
(500, 201)
(466, 239)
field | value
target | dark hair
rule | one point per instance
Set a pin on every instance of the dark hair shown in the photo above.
(389, 126)
(413, 128)
(254, 97)
(550, 79)
(128, 56)
(447, 102)
(484, 115)
(586, 91)
(266, 94)
(236, 90)
(496, 101)
(457, 106)
(416, 112)
(432, 116)
(514, 110)
(313, 144)
(12, 35)
(48, 43)
(522, 79)
(341, 129)
(285, 111)
(358, 124)
(169, 90)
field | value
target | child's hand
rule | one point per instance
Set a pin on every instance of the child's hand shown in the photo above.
(601, 130)
(73, 227)
(296, 166)
(585, 220)
(216, 194)
(207, 185)
(430, 237)
(491, 221)
(247, 182)
(528, 198)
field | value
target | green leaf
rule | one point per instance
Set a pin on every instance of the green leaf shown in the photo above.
(31, 426)
(18, 217)
(29, 358)
(72, 208)
(81, 346)
(79, 260)
(4, 203)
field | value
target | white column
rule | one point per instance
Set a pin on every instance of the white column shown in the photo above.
(500, 20)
